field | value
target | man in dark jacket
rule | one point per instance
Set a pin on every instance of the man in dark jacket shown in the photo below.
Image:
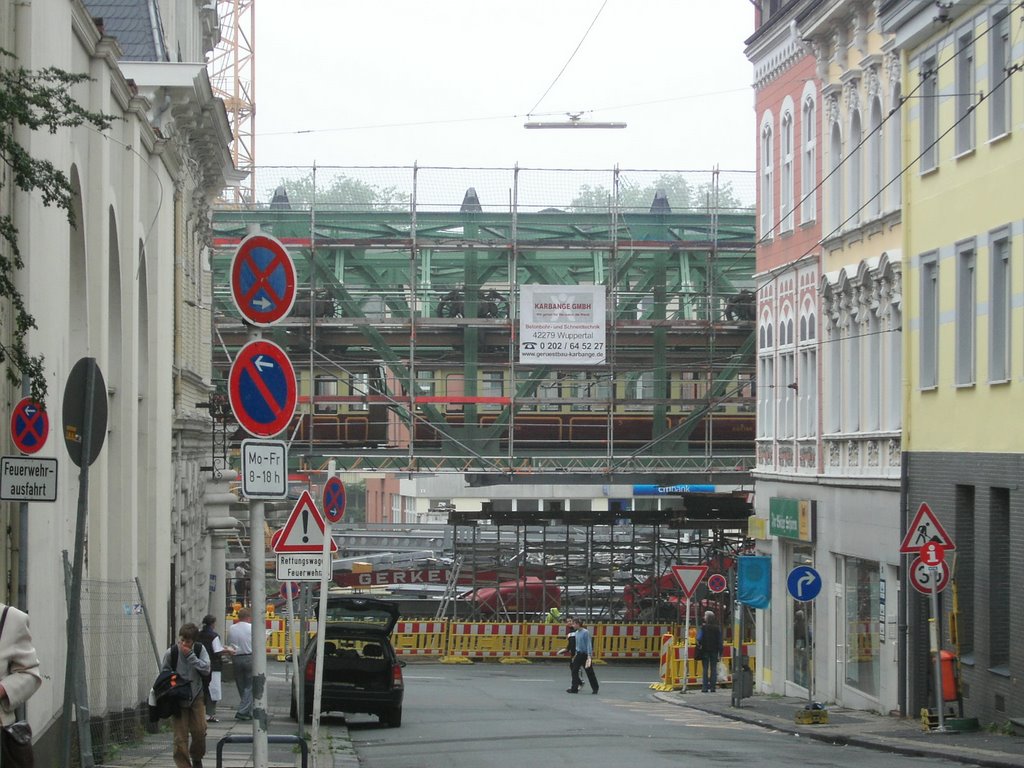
(709, 651)
(192, 664)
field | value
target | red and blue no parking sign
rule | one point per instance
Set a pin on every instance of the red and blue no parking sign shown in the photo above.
(29, 425)
(263, 280)
(261, 388)
(334, 500)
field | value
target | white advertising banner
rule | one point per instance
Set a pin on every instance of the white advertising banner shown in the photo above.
(562, 324)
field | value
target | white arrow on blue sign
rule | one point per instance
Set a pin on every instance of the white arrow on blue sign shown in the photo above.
(804, 583)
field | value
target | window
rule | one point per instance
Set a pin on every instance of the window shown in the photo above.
(963, 500)
(853, 198)
(998, 74)
(425, 384)
(835, 186)
(325, 386)
(861, 593)
(999, 307)
(786, 192)
(360, 387)
(894, 378)
(929, 115)
(929, 322)
(767, 201)
(874, 159)
(873, 372)
(853, 381)
(894, 182)
(965, 92)
(493, 385)
(966, 313)
(999, 606)
(808, 378)
(808, 162)
(834, 389)
(765, 397)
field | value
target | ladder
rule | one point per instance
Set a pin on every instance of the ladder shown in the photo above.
(451, 589)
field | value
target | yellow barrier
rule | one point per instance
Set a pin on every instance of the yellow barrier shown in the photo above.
(420, 638)
(483, 640)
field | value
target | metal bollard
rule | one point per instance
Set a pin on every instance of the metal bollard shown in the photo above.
(240, 738)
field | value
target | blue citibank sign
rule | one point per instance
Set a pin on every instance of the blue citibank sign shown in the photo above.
(670, 490)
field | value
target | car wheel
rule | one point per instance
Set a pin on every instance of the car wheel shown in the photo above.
(393, 717)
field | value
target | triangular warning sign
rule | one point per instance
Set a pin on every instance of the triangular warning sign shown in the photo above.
(689, 576)
(925, 529)
(304, 531)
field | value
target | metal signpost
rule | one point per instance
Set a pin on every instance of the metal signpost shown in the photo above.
(263, 395)
(688, 576)
(929, 575)
(804, 584)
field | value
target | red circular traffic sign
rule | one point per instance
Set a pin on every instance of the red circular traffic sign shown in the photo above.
(263, 280)
(717, 583)
(922, 575)
(262, 389)
(30, 425)
(334, 500)
(932, 554)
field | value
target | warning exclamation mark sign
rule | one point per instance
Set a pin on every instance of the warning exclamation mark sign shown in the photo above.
(305, 525)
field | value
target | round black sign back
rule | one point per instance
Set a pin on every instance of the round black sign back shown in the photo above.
(75, 409)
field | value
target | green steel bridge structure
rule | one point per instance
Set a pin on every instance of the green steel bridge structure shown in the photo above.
(406, 333)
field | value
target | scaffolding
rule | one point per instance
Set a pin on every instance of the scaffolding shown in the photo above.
(407, 334)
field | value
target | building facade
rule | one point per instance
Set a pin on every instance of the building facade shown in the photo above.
(127, 284)
(963, 353)
(829, 407)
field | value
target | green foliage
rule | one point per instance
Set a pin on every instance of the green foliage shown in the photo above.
(636, 197)
(344, 192)
(39, 100)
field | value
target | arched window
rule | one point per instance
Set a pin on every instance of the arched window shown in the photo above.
(874, 162)
(786, 181)
(808, 160)
(835, 184)
(767, 181)
(853, 199)
(894, 189)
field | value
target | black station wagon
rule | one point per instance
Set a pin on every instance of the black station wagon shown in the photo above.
(361, 671)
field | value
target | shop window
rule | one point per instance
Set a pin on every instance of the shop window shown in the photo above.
(863, 670)
(801, 641)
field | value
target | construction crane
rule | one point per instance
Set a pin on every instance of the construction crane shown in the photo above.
(232, 71)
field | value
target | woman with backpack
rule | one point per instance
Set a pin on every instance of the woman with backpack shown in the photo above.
(190, 662)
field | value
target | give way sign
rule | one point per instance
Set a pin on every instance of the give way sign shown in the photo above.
(689, 577)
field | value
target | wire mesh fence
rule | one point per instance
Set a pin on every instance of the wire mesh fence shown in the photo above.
(120, 664)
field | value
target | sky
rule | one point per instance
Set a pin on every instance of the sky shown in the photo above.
(450, 83)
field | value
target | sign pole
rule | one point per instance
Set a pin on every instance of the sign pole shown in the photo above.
(686, 647)
(321, 625)
(933, 632)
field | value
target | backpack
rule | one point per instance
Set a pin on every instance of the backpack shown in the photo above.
(170, 691)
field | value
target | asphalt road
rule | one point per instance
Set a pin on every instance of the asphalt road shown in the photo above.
(508, 716)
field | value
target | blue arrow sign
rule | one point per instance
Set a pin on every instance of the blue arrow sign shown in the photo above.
(261, 388)
(804, 583)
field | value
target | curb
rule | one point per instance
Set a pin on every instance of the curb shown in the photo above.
(891, 745)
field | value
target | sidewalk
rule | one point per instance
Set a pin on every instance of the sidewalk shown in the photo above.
(155, 750)
(895, 735)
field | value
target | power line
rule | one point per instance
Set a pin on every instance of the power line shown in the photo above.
(571, 57)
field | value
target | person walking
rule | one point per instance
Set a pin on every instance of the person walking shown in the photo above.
(240, 641)
(709, 651)
(583, 658)
(570, 643)
(19, 676)
(212, 692)
(188, 658)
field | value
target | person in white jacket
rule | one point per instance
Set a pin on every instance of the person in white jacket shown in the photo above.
(19, 664)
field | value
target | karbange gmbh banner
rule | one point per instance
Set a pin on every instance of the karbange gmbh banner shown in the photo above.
(562, 324)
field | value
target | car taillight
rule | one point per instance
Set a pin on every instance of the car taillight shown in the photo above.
(311, 671)
(396, 676)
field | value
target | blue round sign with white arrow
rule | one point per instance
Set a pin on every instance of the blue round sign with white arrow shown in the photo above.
(804, 583)
(261, 388)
